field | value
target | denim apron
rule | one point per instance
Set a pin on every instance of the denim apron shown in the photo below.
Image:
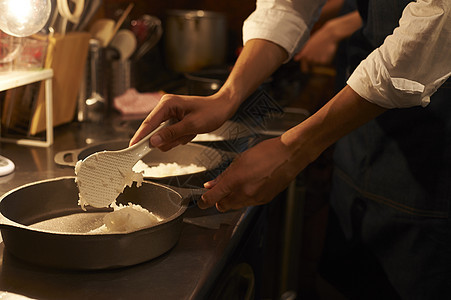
(389, 230)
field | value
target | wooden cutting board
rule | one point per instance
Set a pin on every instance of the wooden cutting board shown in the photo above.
(66, 55)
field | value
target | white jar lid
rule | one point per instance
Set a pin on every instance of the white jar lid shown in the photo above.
(6, 166)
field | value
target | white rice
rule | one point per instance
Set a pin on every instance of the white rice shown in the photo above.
(126, 219)
(164, 170)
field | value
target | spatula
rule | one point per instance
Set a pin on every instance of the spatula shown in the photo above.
(102, 176)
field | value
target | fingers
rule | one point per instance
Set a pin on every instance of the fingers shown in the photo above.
(158, 115)
(225, 196)
(193, 115)
(304, 62)
(143, 130)
(298, 56)
(228, 204)
(210, 184)
(178, 133)
(181, 141)
(211, 197)
(305, 66)
(170, 107)
(233, 201)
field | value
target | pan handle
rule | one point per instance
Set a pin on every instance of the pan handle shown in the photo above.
(67, 158)
(190, 194)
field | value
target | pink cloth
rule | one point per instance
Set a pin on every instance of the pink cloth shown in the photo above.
(132, 102)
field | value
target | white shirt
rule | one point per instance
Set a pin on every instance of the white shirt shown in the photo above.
(404, 71)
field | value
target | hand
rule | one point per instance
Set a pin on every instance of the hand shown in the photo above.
(256, 62)
(254, 178)
(260, 173)
(322, 46)
(319, 50)
(193, 115)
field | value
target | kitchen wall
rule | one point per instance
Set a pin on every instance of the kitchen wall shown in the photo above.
(235, 10)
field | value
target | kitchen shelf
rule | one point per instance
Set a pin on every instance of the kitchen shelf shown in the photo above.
(15, 79)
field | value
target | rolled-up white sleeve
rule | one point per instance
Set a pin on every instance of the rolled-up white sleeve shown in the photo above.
(412, 62)
(286, 23)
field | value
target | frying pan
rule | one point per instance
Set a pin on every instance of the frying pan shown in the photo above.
(214, 160)
(42, 223)
(235, 137)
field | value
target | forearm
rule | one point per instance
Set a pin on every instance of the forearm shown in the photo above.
(257, 61)
(342, 27)
(329, 11)
(341, 115)
(260, 173)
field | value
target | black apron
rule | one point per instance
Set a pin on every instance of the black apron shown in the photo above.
(391, 189)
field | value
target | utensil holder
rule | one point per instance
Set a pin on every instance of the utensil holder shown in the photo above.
(92, 98)
(121, 77)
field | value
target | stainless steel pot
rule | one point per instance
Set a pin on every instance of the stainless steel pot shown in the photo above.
(61, 240)
(206, 82)
(195, 39)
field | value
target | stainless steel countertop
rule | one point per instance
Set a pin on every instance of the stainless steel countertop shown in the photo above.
(188, 271)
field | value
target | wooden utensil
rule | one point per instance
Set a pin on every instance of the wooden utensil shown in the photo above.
(120, 21)
(67, 57)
